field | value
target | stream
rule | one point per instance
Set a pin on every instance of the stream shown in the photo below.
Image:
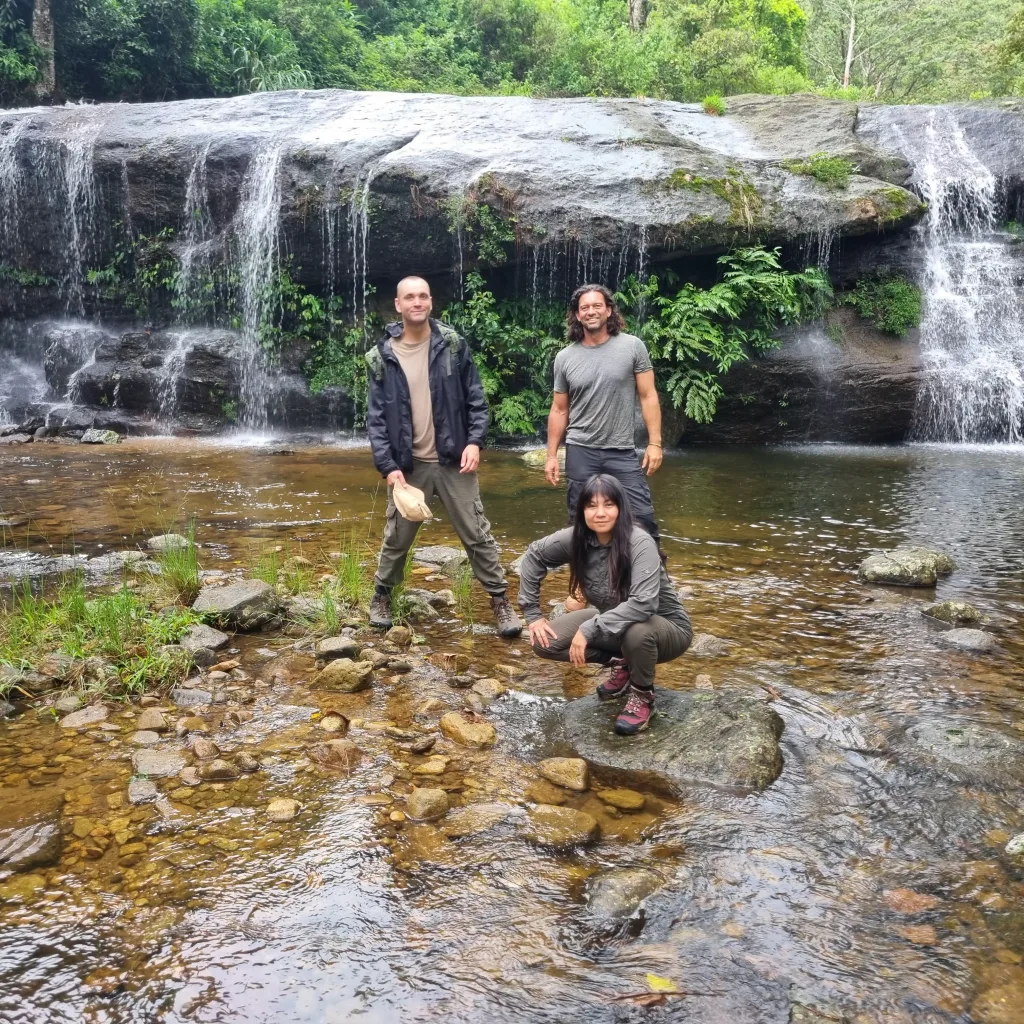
(868, 884)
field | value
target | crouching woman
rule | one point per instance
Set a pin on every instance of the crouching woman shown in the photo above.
(634, 618)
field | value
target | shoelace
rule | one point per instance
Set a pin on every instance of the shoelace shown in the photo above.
(634, 705)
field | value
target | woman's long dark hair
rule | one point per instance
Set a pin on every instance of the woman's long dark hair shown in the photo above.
(573, 327)
(620, 555)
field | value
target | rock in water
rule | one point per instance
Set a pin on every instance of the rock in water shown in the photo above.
(34, 844)
(911, 566)
(474, 819)
(567, 772)
(282, 809)
(337, 647)
(616, 894)
(707, 645)
(157, 764)
(218, 771)
(167, 542)
(722, 738)
(426, 804)
(336, 753)
(200, 637)
(151, 720)
(956, 613)
(1015, 847)
(561, 827)
(247, 605)
(344, 675)
(467, 731)
(94, 436)
(87, 716)
(975, 640)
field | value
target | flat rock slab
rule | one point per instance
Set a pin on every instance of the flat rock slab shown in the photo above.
(188, 697)
(36, 845)
(965, 751)
(157, 764)
(91, 715)
(720, 738)
(438, 555)
(246, 605)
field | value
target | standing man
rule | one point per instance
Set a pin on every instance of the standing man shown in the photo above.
(427, 421)
(597, 380)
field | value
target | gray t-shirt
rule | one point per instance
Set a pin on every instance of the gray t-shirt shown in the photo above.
(601, 384)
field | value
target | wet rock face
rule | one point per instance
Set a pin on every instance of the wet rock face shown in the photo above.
(29, 840)
(720, 738)
(247, 605)
(617, 893)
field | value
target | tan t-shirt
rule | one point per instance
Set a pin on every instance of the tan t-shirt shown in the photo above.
(415, 362)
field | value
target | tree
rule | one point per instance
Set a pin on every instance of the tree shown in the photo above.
(42, 36)
(637, 14)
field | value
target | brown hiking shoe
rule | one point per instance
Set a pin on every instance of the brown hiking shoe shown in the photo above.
(509, 624)
(380, 610)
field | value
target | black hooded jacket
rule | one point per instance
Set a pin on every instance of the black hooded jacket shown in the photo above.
(456, 397)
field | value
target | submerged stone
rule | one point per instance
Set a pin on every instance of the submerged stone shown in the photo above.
(974, 640)
(157, 764)
(567, 772)
(617, 894)
(142, 791)
(561, 827)
(426, 804)
(474, 819)
(956, 613)
(467, 730)
(282, 809)
(722, 738)
(34, 845)
(344, 675)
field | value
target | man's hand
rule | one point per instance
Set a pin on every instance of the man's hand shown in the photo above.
(578, 650)
(470, 458)
(396, 476)
(541, 633)
(551, 470)
(652, 459)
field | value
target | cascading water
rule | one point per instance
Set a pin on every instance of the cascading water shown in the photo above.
(194, 263)
(359, 237)
(972, 328)
(257, 226)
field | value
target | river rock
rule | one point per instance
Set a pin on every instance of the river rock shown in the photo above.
(910, 566)
(200, 637)
(975, 640)
(58, 667)
(965, 751)
(13, 439)
(1015, 847)
(336, 753)
(142, 791)
(247, 761)
(157, 764)
(344, 675)
(247, 605)
(623, 799)
(378, 659)
(95, 436)
(337, 647)
(65, 705)
(152, 719)
(426, 804)
(32, 840)
(167, 542)
(561, 827)
(540, 791)
(956, 613)
(474, 819)
(91, 715)
(467, 729)
(567, 772)
(617, 894)
(282, 809)
(489, 689)
(145, 738)
(218, 771)
(722, 738)
(204, 749)
(190, 697)
(707, 645)
(439, 555)
(401, 636)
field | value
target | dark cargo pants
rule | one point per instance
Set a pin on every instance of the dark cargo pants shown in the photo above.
(581, 463)
(460, 495)
(643, 645)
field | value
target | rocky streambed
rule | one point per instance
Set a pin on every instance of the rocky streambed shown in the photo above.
(433, 823)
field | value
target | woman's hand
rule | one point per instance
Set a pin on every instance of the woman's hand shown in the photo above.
(541, 633)
(578, 650)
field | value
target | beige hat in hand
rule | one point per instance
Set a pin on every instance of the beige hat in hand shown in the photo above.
(411, 503)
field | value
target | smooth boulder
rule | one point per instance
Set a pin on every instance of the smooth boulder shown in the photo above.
(976, 641)
(721, 738)
(567, 772)
(426, 804)
(909, 566)
(199, 637)
(467, 730)
(344, 675)
(37, 844)
(561, 827)
(247, 605)
(954, 613)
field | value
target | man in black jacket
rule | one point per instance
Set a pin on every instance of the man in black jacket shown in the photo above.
(427, 421)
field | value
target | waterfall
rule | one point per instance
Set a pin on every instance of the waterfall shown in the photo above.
(174, 364)
(194, 265)
(10, 190)
(80, 205)
(359, 236)
(972, 327)
(257, 225)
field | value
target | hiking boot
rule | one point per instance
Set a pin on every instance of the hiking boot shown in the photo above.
(617, 683)
(636, 715)
(509, 624)
(380, 610)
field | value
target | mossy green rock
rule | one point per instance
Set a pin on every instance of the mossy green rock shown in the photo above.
(721, 738)
(956, 613)
(910, 566)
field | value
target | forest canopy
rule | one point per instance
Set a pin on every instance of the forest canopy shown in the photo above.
(890, 50)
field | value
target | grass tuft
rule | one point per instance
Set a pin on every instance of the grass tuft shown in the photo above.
(714, 105)
(179, 568)
(832, 171)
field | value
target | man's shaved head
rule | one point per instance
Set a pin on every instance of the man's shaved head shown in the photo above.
(411, 281)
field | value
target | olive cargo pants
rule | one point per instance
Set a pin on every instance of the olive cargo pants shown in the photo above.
(460, 496)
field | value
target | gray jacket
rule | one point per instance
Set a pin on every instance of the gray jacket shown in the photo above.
(651, 591)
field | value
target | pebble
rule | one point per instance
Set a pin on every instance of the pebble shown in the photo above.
(623, 799)
(152, 719)
(204, 749)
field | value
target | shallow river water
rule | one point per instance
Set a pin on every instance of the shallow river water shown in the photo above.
(867, 884)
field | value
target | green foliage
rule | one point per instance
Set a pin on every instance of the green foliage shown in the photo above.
(696, 335)
(264, 565)
(746, 207)
(179, 568)
(118, 627)
(832, 171)
(142, 274)
(514, 345)
(482, 228)
(714, 105)
(891, 303)
(24, 278)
